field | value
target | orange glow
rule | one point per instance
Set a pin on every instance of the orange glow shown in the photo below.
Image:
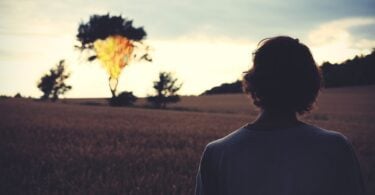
(114, 53)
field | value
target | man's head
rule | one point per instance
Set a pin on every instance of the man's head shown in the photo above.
(284, 76)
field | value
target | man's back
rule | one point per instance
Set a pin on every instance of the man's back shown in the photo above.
(299, 160)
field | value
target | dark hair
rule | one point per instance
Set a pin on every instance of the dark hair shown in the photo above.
(284, 76)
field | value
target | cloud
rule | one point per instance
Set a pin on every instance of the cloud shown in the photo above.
(337, 31)
(333, 41)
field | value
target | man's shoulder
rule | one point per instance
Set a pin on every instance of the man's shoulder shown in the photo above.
(310, 132)
(326, 135)
(230, 139)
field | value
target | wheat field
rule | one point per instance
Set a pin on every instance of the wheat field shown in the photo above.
(85, 147)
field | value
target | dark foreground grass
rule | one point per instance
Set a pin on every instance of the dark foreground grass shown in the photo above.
(55, 148)
(48, 148)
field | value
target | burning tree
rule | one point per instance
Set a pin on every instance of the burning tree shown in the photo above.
(114, 42)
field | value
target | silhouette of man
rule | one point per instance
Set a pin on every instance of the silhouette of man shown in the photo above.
(277, 154)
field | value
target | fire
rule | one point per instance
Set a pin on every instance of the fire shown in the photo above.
(114, 53)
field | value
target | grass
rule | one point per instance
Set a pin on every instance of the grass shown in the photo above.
(50, 148)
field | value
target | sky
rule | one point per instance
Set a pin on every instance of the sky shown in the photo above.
(204, 43)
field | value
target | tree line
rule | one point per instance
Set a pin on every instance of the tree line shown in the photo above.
(53, 85)
(357, 71)
(353, 72)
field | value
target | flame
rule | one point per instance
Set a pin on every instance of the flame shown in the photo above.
(114, 53)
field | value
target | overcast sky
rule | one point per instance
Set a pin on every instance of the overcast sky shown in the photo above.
(204, 43)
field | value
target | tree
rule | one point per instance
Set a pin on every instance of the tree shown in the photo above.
(114, 41)
(53, 84)
(166, 88)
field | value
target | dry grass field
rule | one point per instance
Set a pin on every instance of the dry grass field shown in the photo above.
(85, 147)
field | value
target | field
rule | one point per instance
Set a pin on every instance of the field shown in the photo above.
(83, 146)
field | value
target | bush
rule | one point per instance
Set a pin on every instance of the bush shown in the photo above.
(18, 95)
(123, 99)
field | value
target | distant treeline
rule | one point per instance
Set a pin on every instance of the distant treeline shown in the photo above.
(353, 72)
(358, 71)
(235, 87)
